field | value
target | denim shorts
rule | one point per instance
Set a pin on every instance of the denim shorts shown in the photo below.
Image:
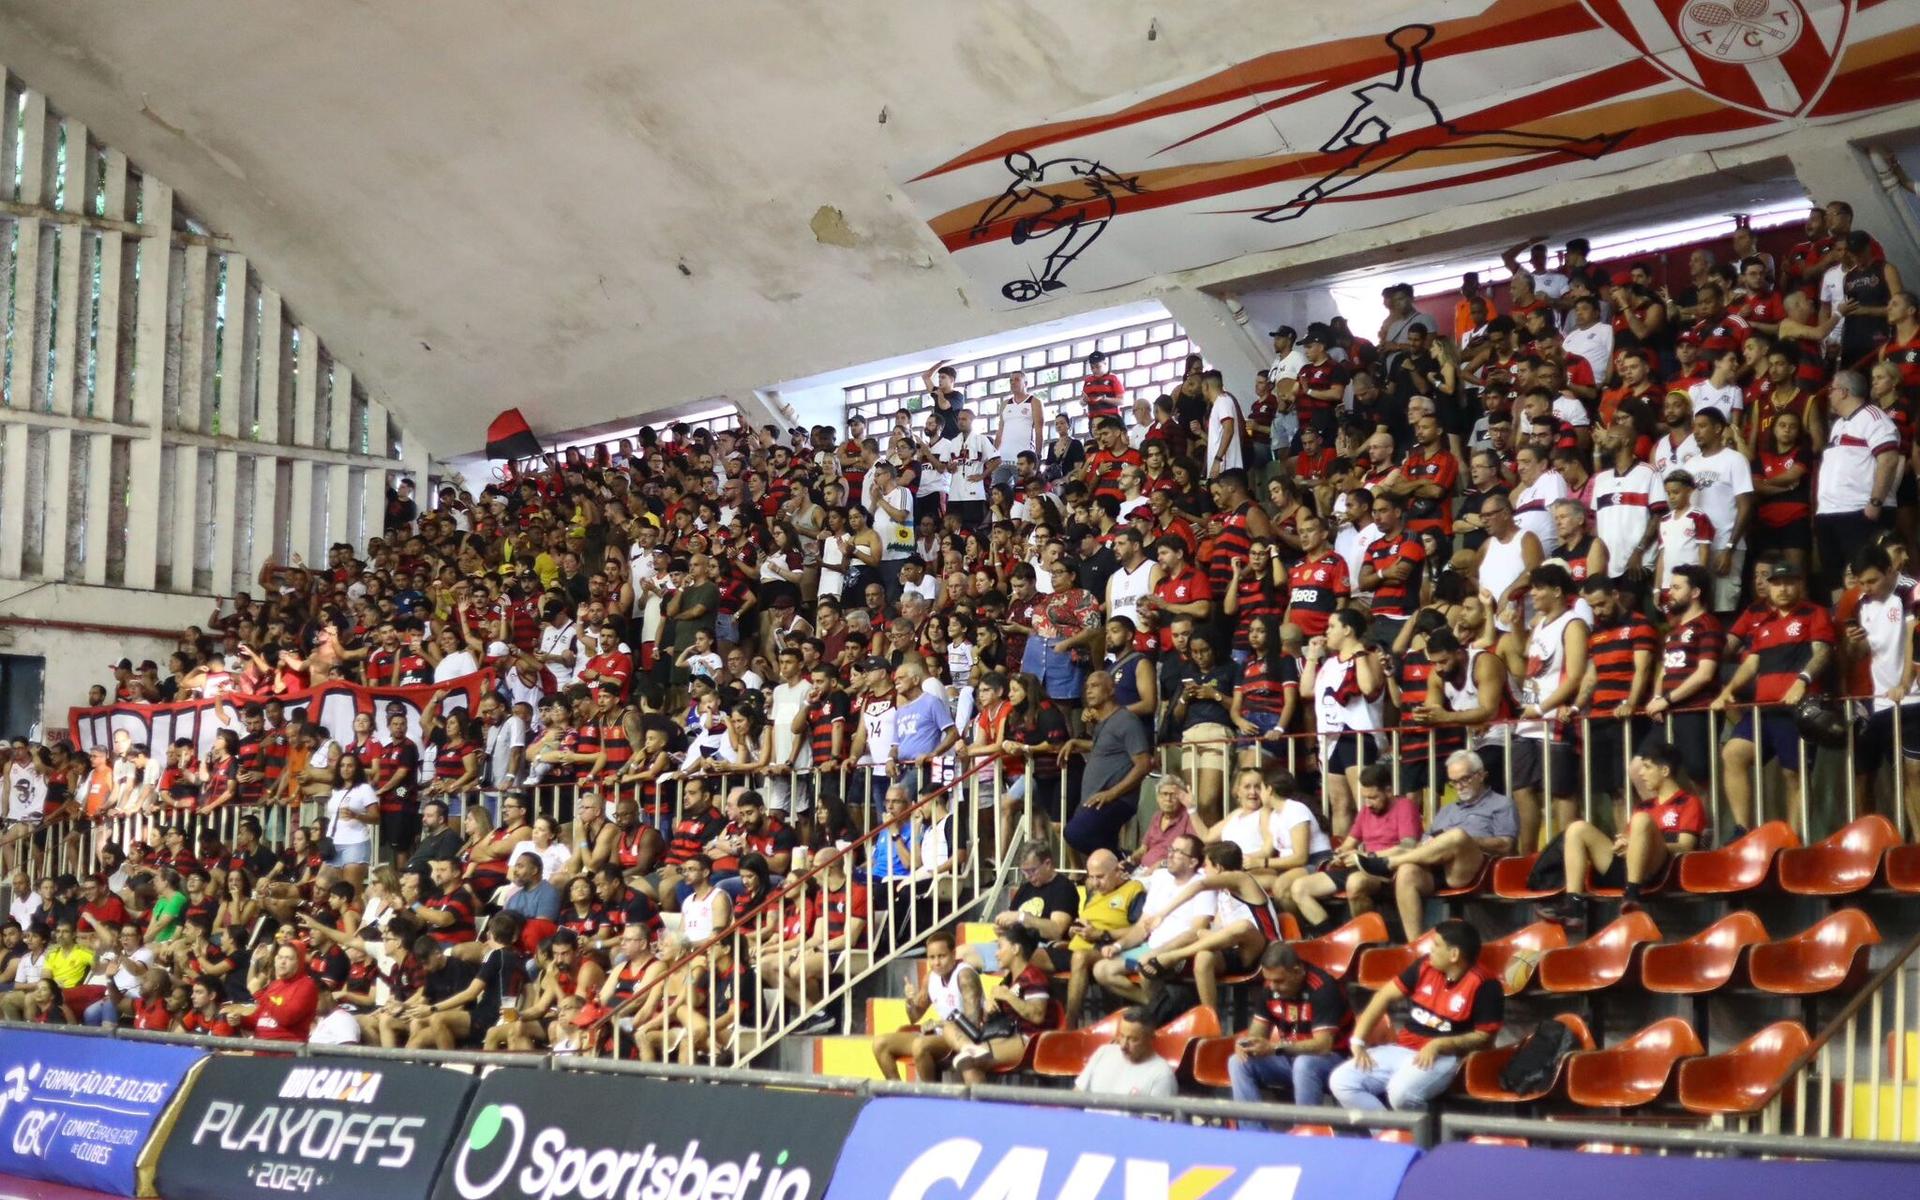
(1060, 677)
(353, 854)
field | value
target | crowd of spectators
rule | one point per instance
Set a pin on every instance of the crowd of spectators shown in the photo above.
(1541, 542)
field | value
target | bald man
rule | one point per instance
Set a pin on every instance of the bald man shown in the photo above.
(1113, 903)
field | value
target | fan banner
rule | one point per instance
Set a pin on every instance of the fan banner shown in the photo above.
(1353, 133)
(331, 705)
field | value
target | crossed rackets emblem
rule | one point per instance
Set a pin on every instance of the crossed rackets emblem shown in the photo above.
(1741, 30)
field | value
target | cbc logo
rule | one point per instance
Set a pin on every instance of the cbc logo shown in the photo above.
(481, 1144)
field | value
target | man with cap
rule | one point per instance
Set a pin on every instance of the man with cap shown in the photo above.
(1101, 389)
(1323, 383)
(125, 691)
(1788, 651)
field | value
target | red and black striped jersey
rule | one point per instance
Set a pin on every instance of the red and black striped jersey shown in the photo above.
(1103, 472)
(1784, 643)
(1687, 644)
(1396, 599)
(1441, 468)
(691, 833)
(1257, 598)
(1315, 588)
(1612, 649)
(1233, 543)
(829, 712)
(1905, 356)
(1264, 683)
(462, 903)
(1318, 377)
(1103, 394)
(1783, 510)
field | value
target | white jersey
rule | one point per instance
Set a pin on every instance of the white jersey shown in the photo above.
(1546, 666)
(944, 996)
(1124, 590)
(696, 916)
(1465, 695)
(1016, 430)
(1338, 705)
(1501, 566)
(1888, 628)
(559, 639)
(26, 793)
(878, 718)
(1162, 887)
(1622, 510)
(1533, 508)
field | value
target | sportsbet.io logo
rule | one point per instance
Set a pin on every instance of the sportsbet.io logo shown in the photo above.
(500, 1158)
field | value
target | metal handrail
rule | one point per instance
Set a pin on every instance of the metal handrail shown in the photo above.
(1460, 1127)
(792, 888)
(1838, 1024)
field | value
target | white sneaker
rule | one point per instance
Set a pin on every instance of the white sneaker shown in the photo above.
(972, 1056)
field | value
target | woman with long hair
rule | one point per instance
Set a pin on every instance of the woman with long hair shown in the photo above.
(1031, 739)
(352, 812)
(1266, 695)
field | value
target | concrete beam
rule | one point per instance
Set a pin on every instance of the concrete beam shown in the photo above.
(1226, 337)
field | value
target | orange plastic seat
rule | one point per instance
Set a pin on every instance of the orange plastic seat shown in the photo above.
(1063, 1053)
(1472, 887)
(1739, 867)
(1714, 958)
(1514, 958)
(1510, 878)
(1312, 1131)
(1481, 1072)
(1651, 887)
(1903, 869)
(1175, 1040)
(1381, 965)
(1637, 1071)
(1830, 954)
(1606, 1148)
(1210, 1055)
(1335, 952)
(1601, 961)
(1055, 1020)
(1494, 1139)
(1403, 1137)
(1842, 864)
(1742, 1079)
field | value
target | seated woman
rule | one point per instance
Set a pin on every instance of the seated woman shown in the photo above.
(1279, 838)
(1016, 1010)
(1667, 822)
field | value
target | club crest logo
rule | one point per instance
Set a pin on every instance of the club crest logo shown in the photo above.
(1741, 31)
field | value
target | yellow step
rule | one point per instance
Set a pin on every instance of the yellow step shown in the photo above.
(1896, 1109)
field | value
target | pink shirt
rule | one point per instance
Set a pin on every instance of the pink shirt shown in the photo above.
(1153, 846)
(1379, 833)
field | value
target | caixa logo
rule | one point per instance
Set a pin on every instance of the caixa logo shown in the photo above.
(952, 1164)
(500, 1157)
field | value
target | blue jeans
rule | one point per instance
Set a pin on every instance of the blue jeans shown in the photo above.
(101, 1012)
(1395, 1081)
(1300, 1077)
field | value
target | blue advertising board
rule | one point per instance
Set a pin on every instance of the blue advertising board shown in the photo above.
(1462, 1169)
(81, 1110)
(924, 1149)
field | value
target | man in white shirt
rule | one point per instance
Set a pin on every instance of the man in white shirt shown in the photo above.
(333, 1025)
(23, 903)
(1623, 497)
(1128, 1065)
(1160, 922)
(1857, 475)
(1226, 426)
(1533, 498)
(1590, 338)
(1723, 492)
(791, 794)
(972, 458)
(557, 648)
(1288, 357)
(1021, 419)
(892, 521)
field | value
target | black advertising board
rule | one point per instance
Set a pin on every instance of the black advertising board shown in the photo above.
(351, 1129)
(564, 1135)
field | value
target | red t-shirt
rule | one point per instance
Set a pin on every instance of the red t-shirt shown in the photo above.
(284, 1009)
(1679, 813)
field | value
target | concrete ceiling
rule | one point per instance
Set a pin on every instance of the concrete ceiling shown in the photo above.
(484, 204)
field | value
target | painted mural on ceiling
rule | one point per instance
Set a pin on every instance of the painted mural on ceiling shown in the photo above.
(1358, 132)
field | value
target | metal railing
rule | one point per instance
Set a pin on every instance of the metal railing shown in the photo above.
(788, 939)
(1835, 1088)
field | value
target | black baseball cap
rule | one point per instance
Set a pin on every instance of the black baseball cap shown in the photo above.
(873, 662)
(1285, 331)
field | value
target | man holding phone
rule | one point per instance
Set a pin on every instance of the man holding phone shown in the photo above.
(1299, 1035)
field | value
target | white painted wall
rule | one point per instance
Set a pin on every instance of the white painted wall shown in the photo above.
(76, 660)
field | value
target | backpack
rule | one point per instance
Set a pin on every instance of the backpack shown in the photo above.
(1549, 873)
(1532, 1067)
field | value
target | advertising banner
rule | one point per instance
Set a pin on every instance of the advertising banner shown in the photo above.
(331, 705)
(555, 1135)
(81, 1110)
(1461, 1169)
(342, 1129)
(921, 1149)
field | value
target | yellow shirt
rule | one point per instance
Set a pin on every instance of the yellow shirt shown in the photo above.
(69, 968)
(1111, 912)
(547, 567)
